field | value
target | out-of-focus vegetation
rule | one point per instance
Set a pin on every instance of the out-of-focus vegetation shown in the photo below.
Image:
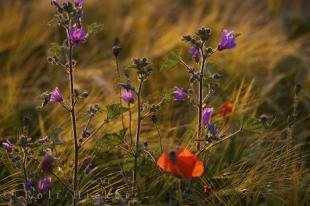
(271, 57)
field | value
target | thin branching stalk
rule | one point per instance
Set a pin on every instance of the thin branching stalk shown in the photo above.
(139, 118)
(130, 121)
(73, 122)
(119, 88)
(200, 99)
(160, 137)
(25, 175)
(209, 146)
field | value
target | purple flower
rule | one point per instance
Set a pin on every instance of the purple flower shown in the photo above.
(56, 95)
(128, 95)
(55, 2)
(44, 184)
(194, 51)
(29, 186)
(44, 140)
(228, 40)
(179, 94)
(88, 168)
(86, 133)
(47, 163)
(212, 129)
(206, 115)
(79, 3)
(7, 145)
(77, 35)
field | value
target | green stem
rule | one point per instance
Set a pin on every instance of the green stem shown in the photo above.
(25, 175)
(137, 139)
(119, 88)
(130, 120)
(200, 102)
(160, 137)
(73, 124)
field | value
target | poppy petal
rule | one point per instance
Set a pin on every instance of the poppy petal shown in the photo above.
(164, 163)
(198, 169)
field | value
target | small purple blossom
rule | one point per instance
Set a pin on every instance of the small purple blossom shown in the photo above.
(212, 129)
(194, 51)
(206, 116)
(77, 35)
(56, 96)
(29, 185)
(79, 3)
(88, 168)
(7, 145)
(55, 2)
(44, 140)
(44, 184)
(86, 133)
(228, 40)
(128, 95)
(179, 94)
(47, 163)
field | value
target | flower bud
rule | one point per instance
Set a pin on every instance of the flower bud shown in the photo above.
(116, 50)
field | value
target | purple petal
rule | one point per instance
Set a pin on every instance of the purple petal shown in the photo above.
(206, 115)
(179, 94)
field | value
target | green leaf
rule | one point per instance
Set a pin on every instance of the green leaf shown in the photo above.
(167, 96)
(112, 139)
(170, 61)
(55, 21)
(54, 50)
(252, 124)
(115, 110)
(94, 28)
(54, 136)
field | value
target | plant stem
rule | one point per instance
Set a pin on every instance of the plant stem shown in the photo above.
(119, 88)
(200, 102)
(160, 137)
(137, 139)
(130, 120)
(73, 123)
(25, 175)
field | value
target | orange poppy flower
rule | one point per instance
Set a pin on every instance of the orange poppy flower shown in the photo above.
(226, 109)
(181, 163)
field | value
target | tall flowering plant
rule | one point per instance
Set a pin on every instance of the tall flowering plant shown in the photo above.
(201, 87)
(181, 162)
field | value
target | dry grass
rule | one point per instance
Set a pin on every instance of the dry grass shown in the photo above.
(260, 75)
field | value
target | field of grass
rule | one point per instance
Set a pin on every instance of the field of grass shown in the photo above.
(271, 59)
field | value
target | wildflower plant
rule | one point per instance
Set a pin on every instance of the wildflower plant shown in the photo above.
(39, 161)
